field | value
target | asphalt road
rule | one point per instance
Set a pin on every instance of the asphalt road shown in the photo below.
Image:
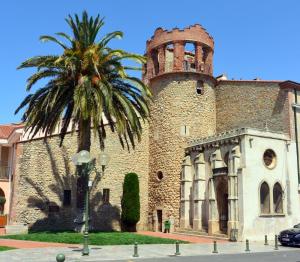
(290, 256)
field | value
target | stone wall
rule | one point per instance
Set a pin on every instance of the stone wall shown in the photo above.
(178, 114)
(257, 104)
(44, 170)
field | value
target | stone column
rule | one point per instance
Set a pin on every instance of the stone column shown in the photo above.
(178, 56)
(186, 185)
(150, 67)
(199, 191)
(209, 61)
(233, 165)
(213, 222)
(161, 59)
(216, 159)
(198, 56)
(155, 223)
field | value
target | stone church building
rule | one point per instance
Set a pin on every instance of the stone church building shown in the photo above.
(218, 156)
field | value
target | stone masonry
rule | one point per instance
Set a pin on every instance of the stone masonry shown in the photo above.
(257, 104)
(44, 170)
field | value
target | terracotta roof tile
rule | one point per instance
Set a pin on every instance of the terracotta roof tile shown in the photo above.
(6, 130)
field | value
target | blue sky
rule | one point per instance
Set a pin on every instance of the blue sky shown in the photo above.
(253, 38)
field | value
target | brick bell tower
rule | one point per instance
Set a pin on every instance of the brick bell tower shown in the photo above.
(179, 72)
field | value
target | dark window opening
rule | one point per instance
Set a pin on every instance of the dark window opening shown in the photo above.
(160, 175)
(200, 87)
(67, 198)
(264, 198)
(105, 196)
(277, 199)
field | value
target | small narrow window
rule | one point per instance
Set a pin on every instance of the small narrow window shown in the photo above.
(264, 198)
(277, 199)
(200, 87)
(67, 198)
(160, 175)
(184, 131)
(105, 196)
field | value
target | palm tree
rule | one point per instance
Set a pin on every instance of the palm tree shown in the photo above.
(87, 87)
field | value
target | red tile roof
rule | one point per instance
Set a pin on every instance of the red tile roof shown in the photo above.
(6, 130)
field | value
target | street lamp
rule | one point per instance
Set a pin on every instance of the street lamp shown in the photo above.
(84, 159)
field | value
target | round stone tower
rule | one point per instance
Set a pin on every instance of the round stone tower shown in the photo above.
(179, 72)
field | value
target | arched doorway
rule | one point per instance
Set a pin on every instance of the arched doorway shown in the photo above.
(2, 201)
(222, 201)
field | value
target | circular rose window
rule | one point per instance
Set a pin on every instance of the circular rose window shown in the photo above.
(269, 158)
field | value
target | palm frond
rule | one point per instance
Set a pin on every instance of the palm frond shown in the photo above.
(86, 85)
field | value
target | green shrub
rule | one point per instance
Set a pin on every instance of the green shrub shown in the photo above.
(130, 202)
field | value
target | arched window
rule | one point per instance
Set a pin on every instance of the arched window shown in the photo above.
(277, 199)
(264, 198)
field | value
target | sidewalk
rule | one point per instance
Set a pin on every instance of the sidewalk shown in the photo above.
(98, 253)
(32, 244)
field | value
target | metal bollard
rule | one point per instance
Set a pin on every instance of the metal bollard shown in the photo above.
(276, 243)
(60, 258)
(177, 253)
(215, 251)
(247, 246)
(135, 250)
(266, 240)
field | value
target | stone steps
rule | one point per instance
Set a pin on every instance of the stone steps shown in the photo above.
(201, 234)
(16, 229)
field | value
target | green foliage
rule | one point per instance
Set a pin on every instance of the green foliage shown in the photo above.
(4, 248)
(2, 200)
(87, 85)
(100, 238)
(130, 202)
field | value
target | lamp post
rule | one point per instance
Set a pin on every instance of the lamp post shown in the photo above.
(83, 159)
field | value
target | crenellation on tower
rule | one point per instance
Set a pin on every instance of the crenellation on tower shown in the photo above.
(159, 45)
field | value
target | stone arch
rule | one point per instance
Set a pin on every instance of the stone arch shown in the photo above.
(264, 196)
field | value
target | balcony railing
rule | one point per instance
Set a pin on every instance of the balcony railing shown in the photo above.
(4, 172)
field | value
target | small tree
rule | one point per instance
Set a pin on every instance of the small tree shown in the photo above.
(130, 202)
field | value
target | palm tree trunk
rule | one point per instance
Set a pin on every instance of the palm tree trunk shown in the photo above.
(84, 143)
(84, 135)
